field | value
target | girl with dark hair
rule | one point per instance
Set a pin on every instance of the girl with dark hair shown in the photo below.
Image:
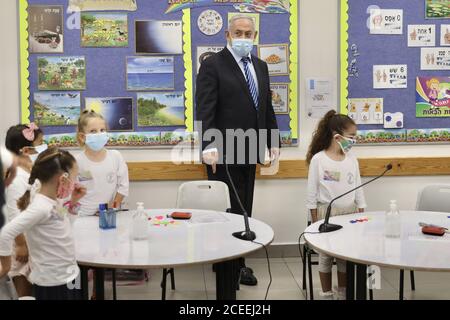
(333, 170)
(47, 226)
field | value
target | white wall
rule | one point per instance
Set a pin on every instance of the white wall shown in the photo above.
(279, 203)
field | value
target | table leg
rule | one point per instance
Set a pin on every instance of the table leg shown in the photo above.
(99, 284)
(350, 294)
(361, 282)
(84, 282)
(226, 280)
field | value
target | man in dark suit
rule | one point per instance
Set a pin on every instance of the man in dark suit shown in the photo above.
(234, 108)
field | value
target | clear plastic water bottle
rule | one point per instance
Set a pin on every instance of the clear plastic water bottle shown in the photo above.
(140, 223)
(393, 223)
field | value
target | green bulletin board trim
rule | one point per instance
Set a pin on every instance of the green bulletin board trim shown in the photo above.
(24, 64)
(344, 56)
(188, 83)
(293, 65)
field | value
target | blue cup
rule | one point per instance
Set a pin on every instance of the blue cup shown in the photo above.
(107, 219)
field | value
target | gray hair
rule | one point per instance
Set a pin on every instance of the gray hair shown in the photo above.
(239, 17)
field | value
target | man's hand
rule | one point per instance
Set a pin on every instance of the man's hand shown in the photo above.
(22, 253)
(211, 158)
(11, 172)
(274, 154)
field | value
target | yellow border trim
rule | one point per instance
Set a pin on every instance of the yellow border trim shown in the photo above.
(344, 57)
(293, 66)
(188, 83)
(24, 63)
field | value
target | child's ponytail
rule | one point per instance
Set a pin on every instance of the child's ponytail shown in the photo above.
(24, 201)
(332, 123)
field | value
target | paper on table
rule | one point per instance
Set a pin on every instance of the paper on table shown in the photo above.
(211, 217)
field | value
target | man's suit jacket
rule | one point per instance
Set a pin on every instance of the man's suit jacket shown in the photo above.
(223, 101)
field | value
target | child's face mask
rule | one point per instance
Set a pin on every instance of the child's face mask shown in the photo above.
(345, 143)
(66, 186)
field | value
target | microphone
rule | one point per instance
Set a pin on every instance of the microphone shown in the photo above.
(328, 227)
(246, 235)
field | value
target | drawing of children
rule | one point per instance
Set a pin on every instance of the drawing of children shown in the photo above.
(433, 84)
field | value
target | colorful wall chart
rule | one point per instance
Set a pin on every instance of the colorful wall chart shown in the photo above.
(396, 52)
(136, 62)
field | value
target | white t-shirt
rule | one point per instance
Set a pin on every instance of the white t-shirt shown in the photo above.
(328, 179)
(15, 191)
(49, 239)
(102, 179)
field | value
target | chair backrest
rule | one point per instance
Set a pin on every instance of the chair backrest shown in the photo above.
(206, 195)
(434, 198)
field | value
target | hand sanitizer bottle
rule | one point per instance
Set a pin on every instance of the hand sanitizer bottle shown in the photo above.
(393, 223)
(140, 223)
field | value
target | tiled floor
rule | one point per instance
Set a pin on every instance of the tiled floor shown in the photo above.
(198, 283)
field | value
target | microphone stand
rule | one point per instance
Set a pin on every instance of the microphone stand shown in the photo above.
(246, 235)
(329, 227)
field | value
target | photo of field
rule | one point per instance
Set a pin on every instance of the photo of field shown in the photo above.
(160, 109)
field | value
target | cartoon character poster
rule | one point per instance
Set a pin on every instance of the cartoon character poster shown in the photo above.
(432, 97)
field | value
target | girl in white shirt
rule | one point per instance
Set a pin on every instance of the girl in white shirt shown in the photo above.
(47, 227)
(103, 172)
(332, 172)
(26, 142)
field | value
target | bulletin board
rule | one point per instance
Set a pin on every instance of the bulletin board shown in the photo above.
(395, 68)
(136, 62)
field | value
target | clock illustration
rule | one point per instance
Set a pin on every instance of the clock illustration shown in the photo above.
(210, 22)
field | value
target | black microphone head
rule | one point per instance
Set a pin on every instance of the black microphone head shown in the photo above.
(389, 166)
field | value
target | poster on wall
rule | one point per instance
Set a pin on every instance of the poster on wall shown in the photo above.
(421, 35)
(159, 37)
(432, 97)
(445, 35)
(320, 97)
(204, 52)
(437, 9)
(45, 27)
(102, 5)
(280, 97)
(118, 112)
(390, 76)
(61, 73)
(366, 110)
(435, 58)
(104, 29)
(277, 58)
(243, 6)
(386, 21)
(56, 108)
(161, 109)
(150, 73)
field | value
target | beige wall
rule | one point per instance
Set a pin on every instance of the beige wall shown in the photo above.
(279, 203)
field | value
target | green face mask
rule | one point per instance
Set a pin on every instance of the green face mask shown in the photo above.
(346, 144)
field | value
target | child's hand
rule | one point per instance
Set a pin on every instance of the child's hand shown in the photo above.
(78, 193)
(22, 253)
(5, 266)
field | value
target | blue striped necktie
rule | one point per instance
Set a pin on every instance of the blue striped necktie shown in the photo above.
(250, 81)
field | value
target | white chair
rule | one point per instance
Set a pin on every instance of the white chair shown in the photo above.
(434, 198)
(202, 195)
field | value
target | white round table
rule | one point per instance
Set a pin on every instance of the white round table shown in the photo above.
(365, 243)
(206, 238)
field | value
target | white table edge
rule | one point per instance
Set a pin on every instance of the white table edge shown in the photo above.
(153, 266)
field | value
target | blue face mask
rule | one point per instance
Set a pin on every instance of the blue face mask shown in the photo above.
(97, 141)
(242, 47)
